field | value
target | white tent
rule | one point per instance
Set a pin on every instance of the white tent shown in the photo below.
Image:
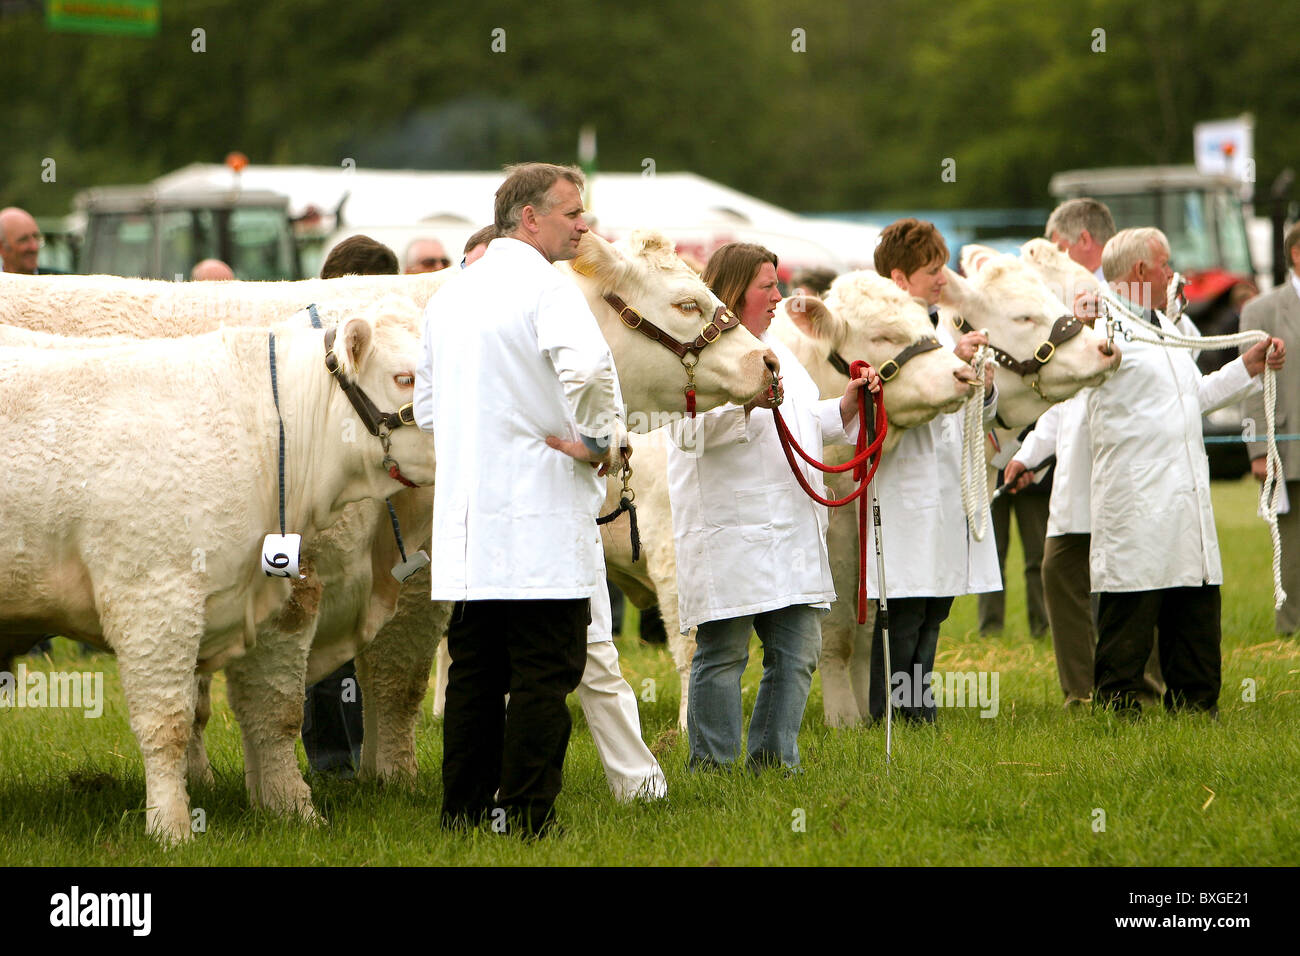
(395, 206)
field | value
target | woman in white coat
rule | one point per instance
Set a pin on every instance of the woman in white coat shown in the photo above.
(931, 555)
(751, 546)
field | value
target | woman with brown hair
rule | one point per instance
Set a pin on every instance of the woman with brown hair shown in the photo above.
(751, 546)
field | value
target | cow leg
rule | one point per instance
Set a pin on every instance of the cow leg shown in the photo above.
(266, 688)
(394, 675)
(199, 769)
(157, 674)
(442, 671)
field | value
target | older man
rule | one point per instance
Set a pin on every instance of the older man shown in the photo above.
(1277, 312)
(20, 242)
(1154, 550)
(426, 255)
(512, 398)
(211, 270)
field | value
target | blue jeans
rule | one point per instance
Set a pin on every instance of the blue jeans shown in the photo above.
(792, 642)
(913, 642)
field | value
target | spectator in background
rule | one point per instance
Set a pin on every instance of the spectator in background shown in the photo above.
(360, 256)
(477, 244)
(1277, 312)
(426, 255)
(21, 242)
(815, 282)
(332, 713)
(1081, 228)
(211, 270)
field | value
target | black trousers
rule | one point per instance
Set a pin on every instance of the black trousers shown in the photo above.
(1187, 620)
(332, 722)
(913, 642)
(512, 756)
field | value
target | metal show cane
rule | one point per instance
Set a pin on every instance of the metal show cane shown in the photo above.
(882, 610)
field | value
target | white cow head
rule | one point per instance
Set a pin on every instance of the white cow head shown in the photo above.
(379, 350)
(1007, 296)
(868, 317)
(646, 273)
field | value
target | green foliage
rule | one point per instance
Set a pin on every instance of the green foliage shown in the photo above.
(1022, 788)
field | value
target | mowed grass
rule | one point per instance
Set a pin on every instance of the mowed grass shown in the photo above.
(1033, 786)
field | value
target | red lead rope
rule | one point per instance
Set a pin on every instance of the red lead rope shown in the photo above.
(865, 461)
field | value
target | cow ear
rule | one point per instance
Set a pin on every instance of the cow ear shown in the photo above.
(957, 291)
(356, 337)
(600, 261)
(811, 316)
(973, 257)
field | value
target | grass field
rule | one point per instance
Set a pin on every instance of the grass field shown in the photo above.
(1032, 786)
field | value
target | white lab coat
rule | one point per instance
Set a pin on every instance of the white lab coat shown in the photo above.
(928, 546)
(1152, 520)
(1062, 431)
(511, 353)
(748, 539)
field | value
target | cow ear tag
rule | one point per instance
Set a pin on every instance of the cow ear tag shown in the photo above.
(407, 568)
(280, 555)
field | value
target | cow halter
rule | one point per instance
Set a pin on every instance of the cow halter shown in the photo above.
(689, 352)
(889, 370)
(1063, 329)
(380, 424)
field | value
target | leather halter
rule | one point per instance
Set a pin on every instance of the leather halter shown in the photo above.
(1064, 329)
(723, 321)
(380, 424)
(888, 370)
(371, 416)
(689, 352)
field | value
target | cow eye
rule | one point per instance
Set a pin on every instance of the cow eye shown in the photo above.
(404, 380)
(689, 306)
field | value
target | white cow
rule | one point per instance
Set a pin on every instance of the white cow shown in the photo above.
(1009, 298)
(146, 540)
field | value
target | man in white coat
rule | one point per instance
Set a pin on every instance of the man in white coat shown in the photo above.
(931, 555)
(751, 546)
(1154, 550)
(519, 389)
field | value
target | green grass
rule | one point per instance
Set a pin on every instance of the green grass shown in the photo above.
(1022, 788)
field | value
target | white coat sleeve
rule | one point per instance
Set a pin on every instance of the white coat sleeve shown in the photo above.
(1226, 385)
(422, 400)
(991, 406)
(1041, 442)
(1187, 327)
(827, 411)
(567, 334)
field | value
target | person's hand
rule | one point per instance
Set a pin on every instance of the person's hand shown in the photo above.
(1259, 467)
(1016, 476)
(988, 376)
(767, 398)
(969, 344)
(576, 448)
(1257, 356)
(849, 403)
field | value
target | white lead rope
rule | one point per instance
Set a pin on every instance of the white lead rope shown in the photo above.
(974, 477)
(1135, 328)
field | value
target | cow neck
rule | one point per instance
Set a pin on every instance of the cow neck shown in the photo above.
(313, 410)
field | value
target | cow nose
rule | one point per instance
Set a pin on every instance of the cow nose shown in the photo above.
(771, 361)
(965, 374)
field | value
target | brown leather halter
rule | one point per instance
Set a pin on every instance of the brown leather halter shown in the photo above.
(1064, 329)
(380, 424)
(888, 370)
(689, 352)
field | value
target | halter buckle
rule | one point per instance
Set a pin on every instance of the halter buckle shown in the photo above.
(1041, 357)
(704, 333)
(631, 325)
(888, 370)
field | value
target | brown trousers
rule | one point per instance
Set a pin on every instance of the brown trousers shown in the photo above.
(1070, 614)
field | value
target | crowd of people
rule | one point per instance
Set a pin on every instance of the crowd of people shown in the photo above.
(527, 414)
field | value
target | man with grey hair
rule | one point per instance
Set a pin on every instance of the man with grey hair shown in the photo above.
(1154, 550)
(20, 243)
(1277, 312)
(1081, 228)
(513, 398)
(426, 255)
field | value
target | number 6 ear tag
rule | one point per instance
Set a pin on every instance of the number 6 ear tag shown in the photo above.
(280, 555)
